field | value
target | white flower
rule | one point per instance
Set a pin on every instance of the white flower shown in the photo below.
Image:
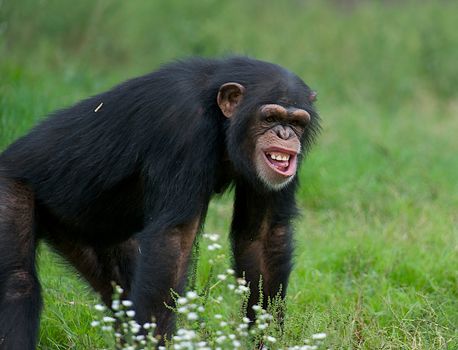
(182, 301)
(241, 290)
(218, 316)
(99, 307)
(106, 328)
(241, 281)
(192, 316)
(230, 271)
(95, 323)
(185, 334)
(319, 336)
(130, 313)
(127, 303)
(191, 295)
(214, 246)
(182, 310)
(221, 339)
(271, 339)
(115, 305)
(223, 324)
(211, 236)
(108, 319)
(256, 307)
(236, 343)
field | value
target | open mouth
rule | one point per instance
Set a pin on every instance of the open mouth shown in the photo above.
(282, 161)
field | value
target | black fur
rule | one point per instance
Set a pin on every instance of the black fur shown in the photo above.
(120, 192)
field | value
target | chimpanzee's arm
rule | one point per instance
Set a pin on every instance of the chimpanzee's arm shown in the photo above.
(262, 242)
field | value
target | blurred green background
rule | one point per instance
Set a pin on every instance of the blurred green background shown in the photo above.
(377, 242)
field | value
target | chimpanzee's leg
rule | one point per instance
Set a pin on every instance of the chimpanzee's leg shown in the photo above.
(102, 266)
(163, 265)
(20, 299)
(262, 246)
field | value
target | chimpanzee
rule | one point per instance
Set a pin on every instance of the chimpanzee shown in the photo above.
(119, 185)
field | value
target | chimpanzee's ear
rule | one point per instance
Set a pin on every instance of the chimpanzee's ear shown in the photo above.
(229, 97)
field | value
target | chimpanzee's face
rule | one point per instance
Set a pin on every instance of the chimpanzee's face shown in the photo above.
(272, 142)
(279, 131)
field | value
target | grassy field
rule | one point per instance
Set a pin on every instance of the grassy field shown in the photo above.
(376, 263)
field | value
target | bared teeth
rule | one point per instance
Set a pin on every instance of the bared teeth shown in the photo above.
(279, 156)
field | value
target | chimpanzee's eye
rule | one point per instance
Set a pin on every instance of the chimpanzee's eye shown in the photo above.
(297, 123)
(270, 119)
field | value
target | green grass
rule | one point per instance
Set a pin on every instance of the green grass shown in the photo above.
(377, 241)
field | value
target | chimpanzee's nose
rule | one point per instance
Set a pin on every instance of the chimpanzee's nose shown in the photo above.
(283, 132)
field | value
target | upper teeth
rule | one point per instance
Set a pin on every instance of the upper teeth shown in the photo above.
(279, 156)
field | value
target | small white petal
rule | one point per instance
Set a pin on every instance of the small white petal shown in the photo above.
(271, 339)
(319, 336)
(221, 339)
(182, 301)
(192, 316)
(99, 307)
(182, 310)
(127, 303)
(191, 295)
